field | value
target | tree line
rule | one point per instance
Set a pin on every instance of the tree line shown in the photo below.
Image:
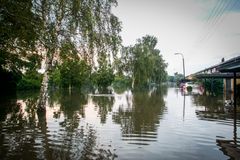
(80, 43)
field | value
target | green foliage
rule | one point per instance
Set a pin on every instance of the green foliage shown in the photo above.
(30, 80)
(143, 62)
(55, 77)
(121, 83)
(189, 88)
(68, 52)
(177, 78)
(71, 74)
(214, 86)
(18, 34)
(124, 64)
(170, 79)
(103, 77)
(66, 30)
(82, 28)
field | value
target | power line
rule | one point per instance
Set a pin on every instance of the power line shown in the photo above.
(214, 11)
(217, 15)
(216, 22)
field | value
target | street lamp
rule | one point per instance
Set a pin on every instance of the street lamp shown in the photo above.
(183, 63)
(184, 81)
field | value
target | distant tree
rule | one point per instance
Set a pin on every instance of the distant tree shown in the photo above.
(103, 77)
(170, 78)
(143, 62)
(124, 64)
(178, 77)
(74, 73)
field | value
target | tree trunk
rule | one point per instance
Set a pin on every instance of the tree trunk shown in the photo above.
(43, 93)
(44, 87)
(133, 82)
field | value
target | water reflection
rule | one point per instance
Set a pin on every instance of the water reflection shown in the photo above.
(7, 104)
(231, 147)
(104, 105)
(130, 125)
(57, 133)
(69, 103)
(16, 129)
(139, 123)
(211, 108)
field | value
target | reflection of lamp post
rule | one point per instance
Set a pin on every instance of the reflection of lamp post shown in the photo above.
(184, 81)
(184, 96)
(183, 64)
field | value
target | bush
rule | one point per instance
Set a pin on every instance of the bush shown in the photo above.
(103, 77)
(121, 83)
(71, 73)
(217, 87)
(30, 80)
(189, 88)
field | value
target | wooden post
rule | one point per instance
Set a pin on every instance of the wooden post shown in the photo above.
(235, 108)
(235, 95)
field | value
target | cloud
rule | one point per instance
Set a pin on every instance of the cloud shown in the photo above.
(203, 30)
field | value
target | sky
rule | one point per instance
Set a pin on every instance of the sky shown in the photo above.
(204, 31)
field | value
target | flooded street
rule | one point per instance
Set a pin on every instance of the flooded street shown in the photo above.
(161, 124)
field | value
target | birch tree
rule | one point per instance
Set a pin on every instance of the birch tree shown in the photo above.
(89, 25)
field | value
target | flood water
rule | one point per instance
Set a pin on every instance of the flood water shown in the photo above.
(161, 124)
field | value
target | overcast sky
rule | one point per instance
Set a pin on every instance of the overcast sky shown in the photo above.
(205, 31)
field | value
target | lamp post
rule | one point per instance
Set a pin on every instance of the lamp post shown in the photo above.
(183, 63)
(184, 80)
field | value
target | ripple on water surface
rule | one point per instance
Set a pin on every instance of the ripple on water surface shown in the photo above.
(144, 126)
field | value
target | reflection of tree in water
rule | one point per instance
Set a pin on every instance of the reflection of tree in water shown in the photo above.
(7, 104)
(70, 103)
(144, 115)
(212, 107)
(72, 107)
(104, 105)
(210, 103)
(230, 147)
(213, 110)
(79, 141)
(18, 128)
(26, 134)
